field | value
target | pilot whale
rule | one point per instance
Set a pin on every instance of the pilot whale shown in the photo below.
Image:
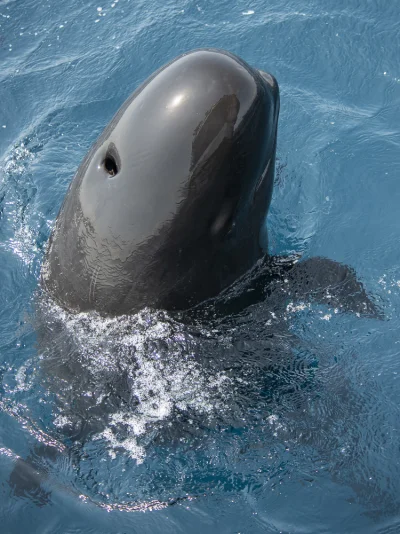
(166, 209)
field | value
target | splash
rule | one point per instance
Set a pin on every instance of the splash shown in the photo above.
(142, 371)
(17, 195)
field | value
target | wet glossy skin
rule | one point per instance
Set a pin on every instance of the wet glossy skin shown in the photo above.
(166, 209)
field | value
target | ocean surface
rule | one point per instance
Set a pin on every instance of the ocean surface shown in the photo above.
(283, 418)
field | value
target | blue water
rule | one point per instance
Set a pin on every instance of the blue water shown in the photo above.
(303, 437)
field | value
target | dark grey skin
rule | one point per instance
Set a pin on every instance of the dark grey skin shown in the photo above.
(166, 209)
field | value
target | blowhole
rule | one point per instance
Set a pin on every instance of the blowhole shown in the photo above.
(110, 165)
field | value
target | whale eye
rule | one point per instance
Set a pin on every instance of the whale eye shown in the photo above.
(110, 165)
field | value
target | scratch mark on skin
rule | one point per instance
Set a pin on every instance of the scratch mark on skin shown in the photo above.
(93, 282)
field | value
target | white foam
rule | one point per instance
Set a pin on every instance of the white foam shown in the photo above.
(301, 306)
(155, 355)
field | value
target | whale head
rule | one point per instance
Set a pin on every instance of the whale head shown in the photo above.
(166, 208)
